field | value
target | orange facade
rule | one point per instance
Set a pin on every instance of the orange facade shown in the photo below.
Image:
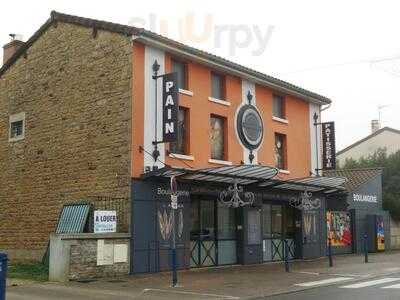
(200, 108)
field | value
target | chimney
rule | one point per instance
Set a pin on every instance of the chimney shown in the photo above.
(12, 47)
(375, 125)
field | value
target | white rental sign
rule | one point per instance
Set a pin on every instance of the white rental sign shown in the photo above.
(105, 221)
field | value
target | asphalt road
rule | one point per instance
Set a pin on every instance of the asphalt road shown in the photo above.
(384, 287)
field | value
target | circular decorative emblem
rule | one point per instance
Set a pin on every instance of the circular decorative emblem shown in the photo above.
(250, 126)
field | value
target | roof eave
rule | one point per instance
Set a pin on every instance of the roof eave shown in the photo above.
(222, 65)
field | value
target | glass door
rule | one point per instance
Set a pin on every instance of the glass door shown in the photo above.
(226, 238)
(202, 233)
(278, 229)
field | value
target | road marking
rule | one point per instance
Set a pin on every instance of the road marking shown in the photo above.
(308, 273)
(349, 275)
(369, 283)
(392, 269)
(395, 286)
(325, 281)
(192, 293)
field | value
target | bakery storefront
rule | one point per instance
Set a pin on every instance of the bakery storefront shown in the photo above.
(358, 216)
(228, 215)
(209, 191)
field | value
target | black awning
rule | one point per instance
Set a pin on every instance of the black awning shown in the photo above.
(257, 176)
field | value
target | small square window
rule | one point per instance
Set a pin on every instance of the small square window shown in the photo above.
(17, 127)
(180, 68)
(278, 107)
(217, 86)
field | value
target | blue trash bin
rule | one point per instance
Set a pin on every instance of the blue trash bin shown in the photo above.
(3, 275)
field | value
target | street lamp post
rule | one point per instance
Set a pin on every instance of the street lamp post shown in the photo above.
(174, 207)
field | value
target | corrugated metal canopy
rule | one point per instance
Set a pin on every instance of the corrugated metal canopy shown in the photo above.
(73, 218)
(242, 174)
(255, 175)
(311, 184)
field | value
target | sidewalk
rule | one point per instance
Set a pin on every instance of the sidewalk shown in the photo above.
(234, 282)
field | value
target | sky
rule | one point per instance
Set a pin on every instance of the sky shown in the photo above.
(348, 51)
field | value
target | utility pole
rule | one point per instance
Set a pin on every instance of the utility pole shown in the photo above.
(380, 107)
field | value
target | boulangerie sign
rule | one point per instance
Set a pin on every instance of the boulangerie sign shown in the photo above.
(328, 146)
(170, 107)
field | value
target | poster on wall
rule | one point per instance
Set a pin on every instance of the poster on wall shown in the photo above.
(339, 228)
(165, 225)
(380, 233)
(105, 221)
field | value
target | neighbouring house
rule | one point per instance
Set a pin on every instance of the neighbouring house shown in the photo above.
(385, 138)
(81, 120)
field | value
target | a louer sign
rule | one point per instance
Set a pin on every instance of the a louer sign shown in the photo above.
(105, 221)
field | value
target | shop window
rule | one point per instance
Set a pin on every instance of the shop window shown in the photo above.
(278, 107)
(217, 137)
(266, 211)
(207, 220)
(226, 222)
(181, 68)
(253, 227)
(289, 224)
(217, 86)
(202, 220)
(194, 220)
(280, 151)
(17, 127)
(276, 220)
(181, 146)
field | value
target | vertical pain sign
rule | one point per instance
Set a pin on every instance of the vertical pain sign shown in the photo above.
(170, 107)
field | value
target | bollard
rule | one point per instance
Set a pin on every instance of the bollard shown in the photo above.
(286, 254)
(330, 252)
(365, 248)
(174, 272)
(3, 275)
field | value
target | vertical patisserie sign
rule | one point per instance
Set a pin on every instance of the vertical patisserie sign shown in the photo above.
(328, 146)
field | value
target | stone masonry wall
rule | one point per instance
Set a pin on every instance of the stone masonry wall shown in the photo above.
(76, 93)
(83, 261)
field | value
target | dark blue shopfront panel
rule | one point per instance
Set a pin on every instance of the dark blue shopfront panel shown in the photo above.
(152, 228)
(144, 231)
(361, 203)
(314, 231)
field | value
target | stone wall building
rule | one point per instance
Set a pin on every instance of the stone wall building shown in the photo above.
(73, 86)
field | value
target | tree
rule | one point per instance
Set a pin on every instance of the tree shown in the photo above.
(390, 179)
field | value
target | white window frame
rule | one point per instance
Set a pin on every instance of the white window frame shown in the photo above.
(17, 118)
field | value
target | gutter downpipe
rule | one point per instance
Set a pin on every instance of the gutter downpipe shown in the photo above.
(316, 123)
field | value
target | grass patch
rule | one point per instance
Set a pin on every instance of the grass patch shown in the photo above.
(30, 271)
